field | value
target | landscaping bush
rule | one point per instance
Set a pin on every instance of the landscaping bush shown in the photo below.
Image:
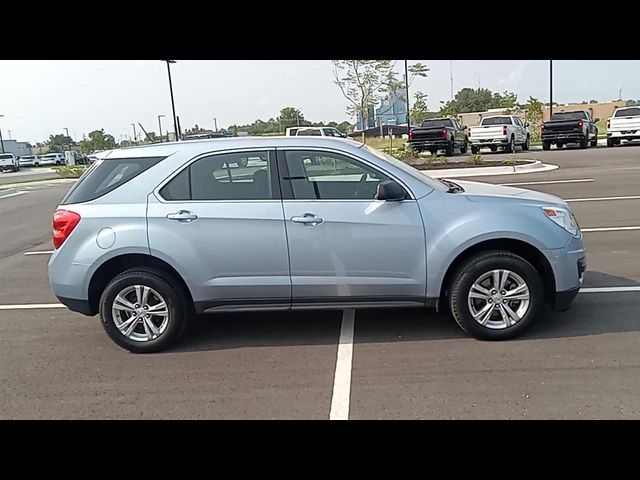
(70, 171)
(475, 159)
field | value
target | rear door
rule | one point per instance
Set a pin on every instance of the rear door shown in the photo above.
(220, 222)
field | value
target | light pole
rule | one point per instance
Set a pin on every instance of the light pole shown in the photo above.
(215, 124)
(1, 141)
(406, 86)
(135, 136)
(550, 88)
(68, 138)
(173, 106)
(160, 125)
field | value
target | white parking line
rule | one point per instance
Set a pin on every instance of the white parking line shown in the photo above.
(13, 194)
(31, 306)
(43, 252)
(609, 229)
(610, 289)
(602, 199)
(577, 180)
(342, 378)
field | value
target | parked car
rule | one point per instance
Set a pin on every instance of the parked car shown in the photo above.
(623, 125)
(28, 161)
(361, 229)
(314, 132)
(439, 134)
(9, 163)
(570, 127)
(52, 159)
(504, 131)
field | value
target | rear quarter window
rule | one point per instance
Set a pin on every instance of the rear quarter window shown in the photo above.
(105, 176)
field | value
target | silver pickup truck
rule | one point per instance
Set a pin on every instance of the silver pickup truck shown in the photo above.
(9, 162)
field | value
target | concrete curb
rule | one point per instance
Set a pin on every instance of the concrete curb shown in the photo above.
(38, 182)
(534, 167)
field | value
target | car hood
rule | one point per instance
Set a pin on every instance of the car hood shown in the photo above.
(483, 192)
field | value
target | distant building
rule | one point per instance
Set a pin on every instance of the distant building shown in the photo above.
(392, 111)
(17, 148)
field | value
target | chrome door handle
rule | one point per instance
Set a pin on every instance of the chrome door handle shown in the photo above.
(308, 219)
(183, 216)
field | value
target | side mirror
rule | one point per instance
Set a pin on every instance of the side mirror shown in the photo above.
(596, 119)
(526, 124)
(464, 127)
(390, 191)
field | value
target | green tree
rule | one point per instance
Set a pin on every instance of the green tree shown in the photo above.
(290, 117)
(364, 83)
(96, 141)
(480, 100)
(419, 110)
(533, 115)
(58, 143)
(345, 127)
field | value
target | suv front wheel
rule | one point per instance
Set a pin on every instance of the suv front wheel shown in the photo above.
(141, 311)
(496, 295)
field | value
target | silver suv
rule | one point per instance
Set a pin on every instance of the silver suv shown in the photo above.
(149, 236)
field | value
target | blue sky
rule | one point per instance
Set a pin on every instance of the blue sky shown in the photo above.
(42, 97)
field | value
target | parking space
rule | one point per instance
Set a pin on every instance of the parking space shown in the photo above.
(397, 364)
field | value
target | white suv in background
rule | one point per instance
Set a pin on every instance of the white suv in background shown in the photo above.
(623, 125)
(52, 159)
(314, 132)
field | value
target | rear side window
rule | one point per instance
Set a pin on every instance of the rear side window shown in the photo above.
(309, 132)
(104, 176)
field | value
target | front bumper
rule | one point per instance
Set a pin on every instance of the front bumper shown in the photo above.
(569, 265)
(77, 305)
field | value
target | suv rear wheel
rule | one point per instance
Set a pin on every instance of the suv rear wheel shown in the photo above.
(496, 295)
(142, 312)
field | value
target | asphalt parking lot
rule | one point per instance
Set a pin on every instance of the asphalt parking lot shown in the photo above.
(369, 364)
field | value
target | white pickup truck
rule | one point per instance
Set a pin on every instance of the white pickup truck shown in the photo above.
(8, 161)
(505, 131)
(623, 125)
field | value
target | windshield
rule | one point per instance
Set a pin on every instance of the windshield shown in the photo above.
(437, 123)
(496, 121)
(628, 112)
(569, 116)
(27, 157)
(437, 184)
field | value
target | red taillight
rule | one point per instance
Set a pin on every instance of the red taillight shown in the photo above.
(64, 222)
(411, 134)
(542, 128)
(580, 125)
(445, 134)
(504, 131)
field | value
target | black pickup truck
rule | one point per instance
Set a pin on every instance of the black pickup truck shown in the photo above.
(570, 127)
(439, 134)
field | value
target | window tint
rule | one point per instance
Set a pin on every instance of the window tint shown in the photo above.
(328, 132)
(627, 112)
(232, 176)
(496, 121)
(312, 132)
(437, 123)
(5, 157)
(104, 176)
(293, 132)
(330, 176)
(179, 188)
(569, 116)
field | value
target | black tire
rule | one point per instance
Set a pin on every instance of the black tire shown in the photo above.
(465, 146)
(584, 143)
(474, 150)
(433, 151)
(610, 142)
(37, 164)
(480, 264)
(511, 146)
(559, 145)
(546, 145)
(16, 169)
(525, 146)
(594, 142)
(174, 300)
(451, 147)
(493, 148)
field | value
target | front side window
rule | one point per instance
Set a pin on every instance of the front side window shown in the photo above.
(317, 175)
(231, 176)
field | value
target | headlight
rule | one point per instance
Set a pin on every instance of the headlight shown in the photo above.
(564, 218)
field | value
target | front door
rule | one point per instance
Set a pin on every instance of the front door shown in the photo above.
(344, 246)
(219, 222)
